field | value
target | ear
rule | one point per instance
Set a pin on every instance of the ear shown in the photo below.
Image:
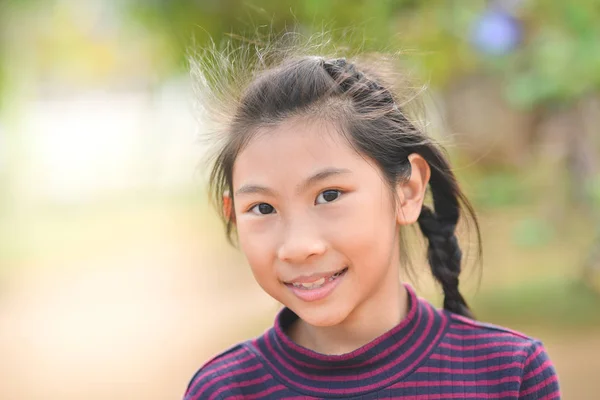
(411, 192)
(228, 210)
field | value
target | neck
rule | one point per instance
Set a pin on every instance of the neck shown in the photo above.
(371, 319)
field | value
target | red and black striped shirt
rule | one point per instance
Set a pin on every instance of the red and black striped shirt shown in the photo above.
(431, 354)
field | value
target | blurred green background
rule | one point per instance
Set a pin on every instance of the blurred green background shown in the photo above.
(115, 278)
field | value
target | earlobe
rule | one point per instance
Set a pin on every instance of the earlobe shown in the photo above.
(228, 211)
(411, 192)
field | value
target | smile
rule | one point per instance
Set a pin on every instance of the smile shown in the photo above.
(319, 282)
(317, 289)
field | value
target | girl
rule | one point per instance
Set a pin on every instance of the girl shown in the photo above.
(319, 169)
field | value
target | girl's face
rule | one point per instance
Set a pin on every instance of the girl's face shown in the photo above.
(315, 220)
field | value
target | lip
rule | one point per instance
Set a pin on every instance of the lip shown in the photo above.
(319, 293)
(312, 277)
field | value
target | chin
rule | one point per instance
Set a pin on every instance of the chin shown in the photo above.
(321, 316)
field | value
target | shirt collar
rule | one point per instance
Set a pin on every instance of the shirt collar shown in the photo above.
(385, 360)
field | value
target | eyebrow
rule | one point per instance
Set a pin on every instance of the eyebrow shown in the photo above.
(311, 180)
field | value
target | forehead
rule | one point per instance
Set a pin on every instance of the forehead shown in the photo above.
(294, 148)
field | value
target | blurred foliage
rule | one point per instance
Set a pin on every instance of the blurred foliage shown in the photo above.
(558, 58)
(533, 232)
(555, 303)
(390, 24)
(556, 61)
(594, 191)
(498, 188)
(178, 22)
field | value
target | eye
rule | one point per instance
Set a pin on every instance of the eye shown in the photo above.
(328, 196)
(263, 209)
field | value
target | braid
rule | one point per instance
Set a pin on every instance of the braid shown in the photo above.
(444, 253)
(444, 257)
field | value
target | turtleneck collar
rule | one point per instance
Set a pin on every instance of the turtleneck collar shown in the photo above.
(387, 359)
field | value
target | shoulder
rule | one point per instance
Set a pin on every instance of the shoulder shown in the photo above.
(220, 376)
(467, 334)
(507, 349)
(467, 327)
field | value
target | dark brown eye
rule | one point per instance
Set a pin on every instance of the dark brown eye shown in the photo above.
(328, 196)
(263, 209)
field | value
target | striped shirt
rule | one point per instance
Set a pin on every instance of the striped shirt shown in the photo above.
(431, 354)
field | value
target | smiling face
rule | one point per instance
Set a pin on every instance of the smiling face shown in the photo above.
(311, 211)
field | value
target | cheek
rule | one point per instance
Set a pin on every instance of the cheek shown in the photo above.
(367, 231)
(366, 218)
(258, 246)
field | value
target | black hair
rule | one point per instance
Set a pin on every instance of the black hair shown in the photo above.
(370, 116)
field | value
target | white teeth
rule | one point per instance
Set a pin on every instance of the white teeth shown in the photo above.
(316, 284)
(319, 282)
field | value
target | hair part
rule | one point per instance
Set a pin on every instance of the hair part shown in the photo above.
(364, 96)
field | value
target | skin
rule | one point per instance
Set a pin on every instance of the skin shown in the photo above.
(308, 232)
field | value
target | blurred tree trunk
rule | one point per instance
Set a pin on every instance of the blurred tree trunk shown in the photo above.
(484, 126)
(585, 166)
(569, 138)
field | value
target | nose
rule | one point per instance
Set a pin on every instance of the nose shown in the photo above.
(300, 242)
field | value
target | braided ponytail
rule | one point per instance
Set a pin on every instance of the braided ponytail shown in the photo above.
(438, 226)
(444, 257)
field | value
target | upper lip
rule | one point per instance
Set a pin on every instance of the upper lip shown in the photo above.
(313, 277)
